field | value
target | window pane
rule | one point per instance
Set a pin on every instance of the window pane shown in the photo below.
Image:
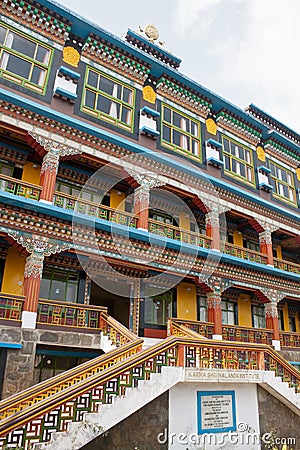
(45, 288)
(22, 45)
(176, 137)
(104, 104)
(38, 76)
(177, 119)
(226, 145)
(18, 66)
(167, 115)
(42, 55)
(71, 295)
(90, 98)
(166, 133)
(194, 129)
(109, 87)
(2, 34)
(126, 115)
(127, 95)
(58, 288)
(93, 79)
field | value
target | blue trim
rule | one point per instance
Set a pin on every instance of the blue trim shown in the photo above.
(282, 140)
(70, 73)
(264, 169)
(10, 345)
(214, 143)
(265, 186)
(65, 93)
(150, 112)
(149, 130)
(137, 148)
(215, 161)
(154, 46)
(201, 394)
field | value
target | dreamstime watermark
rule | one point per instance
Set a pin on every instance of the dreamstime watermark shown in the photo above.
(166, 262)
(244, 435)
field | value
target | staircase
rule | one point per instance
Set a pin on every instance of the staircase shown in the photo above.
(74, 407)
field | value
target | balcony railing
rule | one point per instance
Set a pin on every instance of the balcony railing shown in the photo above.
(94, 209)
(289, 339)
(11, 308)
(287, 266)
(172, 232)
(245, 253)
(20, 188)
(69, 315)
(206, 329)
(246, 334)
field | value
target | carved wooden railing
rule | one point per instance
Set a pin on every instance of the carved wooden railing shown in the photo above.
(179, 234)
(11, 308)
(31, 416)
(245, 253)
(205, 329)
(289, 339)
(69, 315)
(83, 206)
(288, 266)
(247, 334)
(20, 188)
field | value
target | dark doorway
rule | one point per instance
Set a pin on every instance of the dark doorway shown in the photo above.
(117, 306)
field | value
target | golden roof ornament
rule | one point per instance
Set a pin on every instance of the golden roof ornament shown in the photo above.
(151, 33)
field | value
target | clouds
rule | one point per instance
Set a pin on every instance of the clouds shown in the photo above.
(254, 47)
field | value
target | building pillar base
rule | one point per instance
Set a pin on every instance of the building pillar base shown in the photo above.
(276, 345)
(29, 319)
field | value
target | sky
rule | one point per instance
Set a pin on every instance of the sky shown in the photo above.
(246, 51)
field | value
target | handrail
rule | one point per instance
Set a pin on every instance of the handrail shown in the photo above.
(286, 265)
(11, 307)
(31, 191)
(121, 373)
(245, 253)
(201, 328)
(289, 339)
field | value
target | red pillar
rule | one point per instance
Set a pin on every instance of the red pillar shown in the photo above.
(266, 247)
(48, 175)
(141, 206)
(213, 229)
(32, 281)
(214, 312)
(272, 319)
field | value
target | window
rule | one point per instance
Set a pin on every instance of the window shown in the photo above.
(59, 285)
(258, 316)
(74, 190)
(23, 60)
(238, 160)
(228, 312)
(108, 99)
(282, 182)
(201, 308)
(162, 217)
(251, 245)
(180, 132)
(158, 308)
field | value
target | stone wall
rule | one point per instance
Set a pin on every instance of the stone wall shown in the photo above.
(138, 431)
(275, 417)
(19, 370)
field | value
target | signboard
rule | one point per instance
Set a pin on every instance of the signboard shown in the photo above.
(216, 411)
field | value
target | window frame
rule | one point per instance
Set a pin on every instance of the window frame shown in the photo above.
(237, 159)
(256, 317)
(18, 79)
(165, 299)
(97, 91)
(275, 181)
(169, 144)
(66, 281)
(224, 309)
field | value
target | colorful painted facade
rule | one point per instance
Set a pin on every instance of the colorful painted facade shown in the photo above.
(131, 193)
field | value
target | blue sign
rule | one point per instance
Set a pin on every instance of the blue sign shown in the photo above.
(216, 411)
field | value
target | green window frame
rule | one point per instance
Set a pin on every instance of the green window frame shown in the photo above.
(180, 132)
(202, 313)
(228, 308)
(24, 60)
(283, 183)
(107, 98)
(238, 160)
(158, 308)
(59, 285)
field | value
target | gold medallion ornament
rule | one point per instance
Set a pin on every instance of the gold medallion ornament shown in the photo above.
(149, 94)
(261, 153)
(151, 32)
(71, 56)
(298, 173)
(211, 126)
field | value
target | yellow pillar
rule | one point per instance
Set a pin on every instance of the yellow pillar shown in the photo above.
(244, 310)
(297, 322)
(286, 321)
(117, 200)
(31, 173)
(238, 238)
(186, 301)
(13, 275)
(279, 252)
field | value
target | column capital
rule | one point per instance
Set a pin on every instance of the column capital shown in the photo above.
(273, 295)
(217, 284)
(271, 310)
(265, 237)
(34, 265)
(53, 144)
(266, 225)
(50, 162)
(39, 244)
(149, 179)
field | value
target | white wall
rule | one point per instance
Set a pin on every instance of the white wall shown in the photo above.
(183, 417)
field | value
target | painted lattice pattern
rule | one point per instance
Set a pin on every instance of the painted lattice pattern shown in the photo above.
(68, 316)
(260, 336)
(10, 308)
